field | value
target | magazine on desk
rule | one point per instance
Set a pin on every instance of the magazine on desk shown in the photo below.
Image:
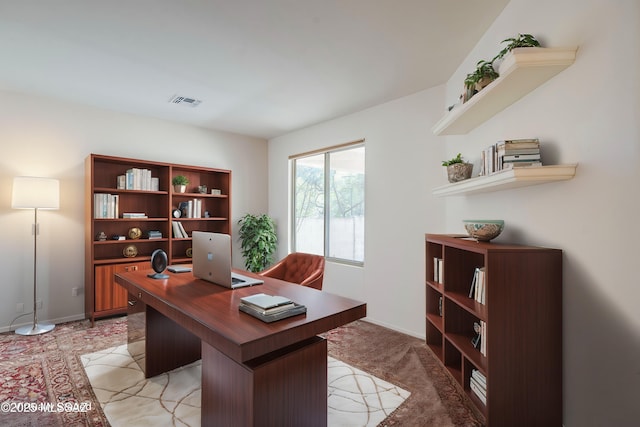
(270, 308)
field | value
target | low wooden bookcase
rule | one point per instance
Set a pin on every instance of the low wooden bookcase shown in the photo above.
(149, 194)
(522, 311)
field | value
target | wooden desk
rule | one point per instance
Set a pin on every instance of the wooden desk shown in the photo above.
(253, 373)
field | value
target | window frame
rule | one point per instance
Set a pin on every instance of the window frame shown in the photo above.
(326, 152)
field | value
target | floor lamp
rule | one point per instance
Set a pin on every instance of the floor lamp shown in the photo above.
(35, 193)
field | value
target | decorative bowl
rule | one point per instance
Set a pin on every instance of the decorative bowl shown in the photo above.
(483, 230)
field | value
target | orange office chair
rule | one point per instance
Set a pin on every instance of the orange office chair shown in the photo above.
(303, 269)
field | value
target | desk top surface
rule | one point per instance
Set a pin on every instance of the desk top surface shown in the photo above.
(211, 311)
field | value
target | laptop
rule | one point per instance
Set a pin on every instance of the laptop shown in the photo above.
(212, 261)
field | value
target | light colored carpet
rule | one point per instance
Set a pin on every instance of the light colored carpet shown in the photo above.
(355, 398)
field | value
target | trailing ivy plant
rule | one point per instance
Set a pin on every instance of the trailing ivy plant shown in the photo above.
(484, 69)
(523, 40)
(258, 241)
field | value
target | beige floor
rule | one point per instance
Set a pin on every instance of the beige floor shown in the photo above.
(355, 398)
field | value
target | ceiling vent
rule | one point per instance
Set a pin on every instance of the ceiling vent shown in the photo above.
(184, 100)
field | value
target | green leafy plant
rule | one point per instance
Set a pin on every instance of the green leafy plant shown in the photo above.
(484, 69)
(523, 40)
(179, 180)
(259, 241)
(456, 159)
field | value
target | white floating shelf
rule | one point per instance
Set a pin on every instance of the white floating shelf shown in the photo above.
(514, 178)
(521, 71)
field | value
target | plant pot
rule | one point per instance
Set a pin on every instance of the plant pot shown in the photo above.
(459, 171)
(484, 82)
(179, 188)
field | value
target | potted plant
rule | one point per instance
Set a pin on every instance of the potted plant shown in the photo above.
(523, 40)
(458, 169)
(479, 79)
(179, 183)
(259, 240)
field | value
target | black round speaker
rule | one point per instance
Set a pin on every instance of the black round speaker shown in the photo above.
(159, 262)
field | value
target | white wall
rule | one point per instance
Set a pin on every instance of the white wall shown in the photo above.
(588, 114)
(402, 157)
(42, 137)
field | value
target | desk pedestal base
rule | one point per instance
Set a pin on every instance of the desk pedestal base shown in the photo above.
(288, 387)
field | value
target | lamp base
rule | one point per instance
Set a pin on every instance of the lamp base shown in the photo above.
(35, 329)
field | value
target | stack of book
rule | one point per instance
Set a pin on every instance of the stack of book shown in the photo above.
(154, 234)
(270, 308)
(438, 270)
(478, 385)
(509, 154)
(138, 179)
(518, 153)
(105, 205)
(178, 230)
(191, 208)
(134, 215)
(477, 290)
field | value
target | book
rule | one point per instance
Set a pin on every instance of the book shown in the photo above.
(518, 143)
(183, 231)
(514, 165)
(472, 291)
(273, 310)
(264, 302)
(272, 317)
(133, 215)
(478, 391)
(521, 157)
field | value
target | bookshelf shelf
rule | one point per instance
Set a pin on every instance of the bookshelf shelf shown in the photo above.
(522, 357)
(514, 178)
(522, 70)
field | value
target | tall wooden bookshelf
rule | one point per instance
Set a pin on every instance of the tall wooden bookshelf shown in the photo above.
(522, 360)
(157, 201)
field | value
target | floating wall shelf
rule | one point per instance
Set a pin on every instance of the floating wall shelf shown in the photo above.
(515, 178)
(521, 71)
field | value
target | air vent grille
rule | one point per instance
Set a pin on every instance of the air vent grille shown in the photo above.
(184, 100)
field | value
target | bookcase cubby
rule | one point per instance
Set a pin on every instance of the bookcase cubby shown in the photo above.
(115, 186)
(521, 360)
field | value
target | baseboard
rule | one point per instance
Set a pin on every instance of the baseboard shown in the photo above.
(395, 328)
(13, 327)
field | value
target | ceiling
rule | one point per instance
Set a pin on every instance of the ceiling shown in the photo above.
(260, 67)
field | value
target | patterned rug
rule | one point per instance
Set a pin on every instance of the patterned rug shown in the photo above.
(46, 370)
(355, 398)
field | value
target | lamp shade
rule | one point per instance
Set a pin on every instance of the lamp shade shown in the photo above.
(33, 192)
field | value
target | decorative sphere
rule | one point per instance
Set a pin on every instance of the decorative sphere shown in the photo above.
(135, 233)
(130, 251)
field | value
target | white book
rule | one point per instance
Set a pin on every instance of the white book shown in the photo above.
(175, 229)
(472, 291)
(265, 302)
(182, 230)
(478, 393)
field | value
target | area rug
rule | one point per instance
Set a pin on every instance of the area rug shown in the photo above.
(355, 398)
(48, 369)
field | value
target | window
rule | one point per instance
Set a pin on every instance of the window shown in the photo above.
(328, 203)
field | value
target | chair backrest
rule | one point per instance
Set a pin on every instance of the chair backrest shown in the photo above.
(302, 268)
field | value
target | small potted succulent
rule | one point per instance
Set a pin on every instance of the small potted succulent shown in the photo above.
(458, 169)
(179, 183)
